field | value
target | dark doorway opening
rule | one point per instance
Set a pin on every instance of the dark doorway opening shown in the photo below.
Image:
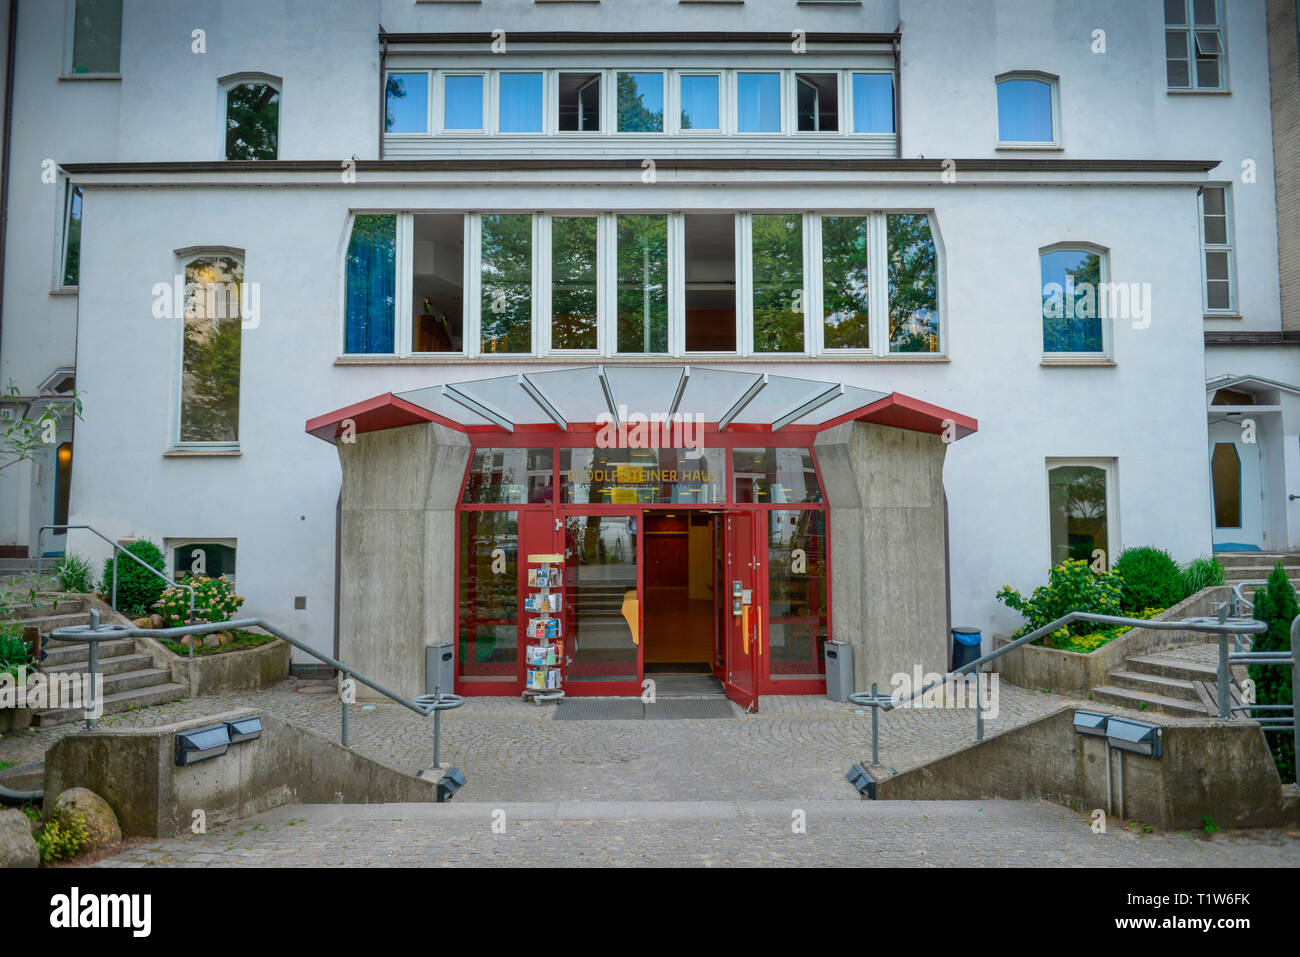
(680, 593)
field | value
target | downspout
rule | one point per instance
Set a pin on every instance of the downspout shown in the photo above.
(898, 91)
(10, 44)
(383, 86)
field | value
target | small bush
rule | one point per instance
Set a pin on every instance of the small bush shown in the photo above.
(57, 842)
(74, 574)
(137, 588)
(1071, 586)
(1276, 604)
(1152, 579)
(15, 655)
(214, 600)
(1201, 573)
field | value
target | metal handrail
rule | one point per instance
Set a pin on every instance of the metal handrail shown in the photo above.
(95, 633)
(1285, 720)
(40, 562)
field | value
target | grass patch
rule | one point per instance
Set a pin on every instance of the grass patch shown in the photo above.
(243, 641)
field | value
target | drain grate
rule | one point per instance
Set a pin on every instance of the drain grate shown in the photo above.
(600, 709)
(671, 708)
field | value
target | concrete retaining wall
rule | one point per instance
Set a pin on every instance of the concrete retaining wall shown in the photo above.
(1220, 770)
(134, 770)
(245, 670)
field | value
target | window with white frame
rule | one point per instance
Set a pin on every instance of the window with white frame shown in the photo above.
(251, 117)
(1028, 110)
(406, 102)
(700, 95)
(462, 102)
(1074, 299)
(213, 558)
(211, 339)
(1081, 517)
(1196, 56)
(872, 96)
(639, 102)
(1218, 288)
(758, 102)
(94, 46)
(521, 103)
(70, 250)
(642, 283)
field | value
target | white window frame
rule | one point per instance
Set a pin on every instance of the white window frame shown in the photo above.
(1190, 29)
(1103, 305)
(69, 40)
(171, 545)
(543, 265)
(438, 102)
(428, 101)
(228, 83)
(601, 77)
(839, 101)
(850, 113)
(183, 258)
(549, 97)
(1109, 465)
(745, 279)
(61, 252)
(1230, 224)
(784, 78)
(1054, 86)
(666, 86)
(676, 126)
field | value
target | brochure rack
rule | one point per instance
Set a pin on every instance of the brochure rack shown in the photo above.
(544, 657)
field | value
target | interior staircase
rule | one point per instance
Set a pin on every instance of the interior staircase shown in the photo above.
(130, 678)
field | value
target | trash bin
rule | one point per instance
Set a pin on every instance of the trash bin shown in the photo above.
(965, 646)
(839, 670)
(439, 669)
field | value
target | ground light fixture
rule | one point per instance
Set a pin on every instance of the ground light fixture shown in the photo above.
(1091, 723)
(450, 783)
(201, 744)
(861, 779)
(1136, 737)
(245, 729)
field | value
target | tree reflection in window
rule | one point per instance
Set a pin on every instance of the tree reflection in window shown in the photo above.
(778, 283)
(507, 281)
(1077, 495)
(252, 122)
(913, 284)
(210, 367)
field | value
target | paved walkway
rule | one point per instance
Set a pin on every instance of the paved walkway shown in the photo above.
(717, 833)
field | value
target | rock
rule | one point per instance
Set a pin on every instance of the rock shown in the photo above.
(145, 622)
(17, 846)
(102, 829)
(225, 638)
(157, 620)
(211, 641)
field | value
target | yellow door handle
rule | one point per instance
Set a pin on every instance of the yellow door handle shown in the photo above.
(744, 629)
(758, 628)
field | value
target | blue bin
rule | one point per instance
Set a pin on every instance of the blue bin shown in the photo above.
(965, 646)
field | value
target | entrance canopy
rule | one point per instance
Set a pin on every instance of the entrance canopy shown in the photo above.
(584, 398)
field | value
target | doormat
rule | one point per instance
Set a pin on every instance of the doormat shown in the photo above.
(632, 709)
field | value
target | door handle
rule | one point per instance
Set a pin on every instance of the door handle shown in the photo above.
(744, 629)
(758, 630)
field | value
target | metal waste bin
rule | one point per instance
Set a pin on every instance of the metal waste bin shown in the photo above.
(439, 669)
(965, 646)
(839, 670)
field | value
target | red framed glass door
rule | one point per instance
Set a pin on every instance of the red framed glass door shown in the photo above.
(743, 595)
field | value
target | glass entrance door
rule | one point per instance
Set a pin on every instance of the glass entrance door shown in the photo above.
(602, 610)
(743, 598)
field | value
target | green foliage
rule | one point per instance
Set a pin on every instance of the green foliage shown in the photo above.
(642, 283)
(1208, 825)
(778, 282)
(57, 842)
(1276, 604)
(913, 284)
(1086, 644)
(1071, 586)
(15, 655)
(633, 114)
(1201, 573)
(137, 588)
(23, 437)
(507, 283)
(243, 641)
(1151, 579)
(253, 121)
(74, 573)
(214, 600)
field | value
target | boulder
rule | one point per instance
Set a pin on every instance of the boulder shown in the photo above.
(225, 638)
(145, 622)
(17, 846)
(102, 829)
(157, 620)
(211, 641)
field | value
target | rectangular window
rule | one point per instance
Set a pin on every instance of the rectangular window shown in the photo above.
(758, 102)
(710, 261)
(873, 103)
(774, 476)
(1195, 53)
(509, 477)
(488, 627)
(700, 103)
(462, 102)
(71, 271)
(519, 104)
(777, 262)
(96, 37)
(1026, 110)
(579, 110)
(574, 266)
(371, 296)
(506, 301)
(211, 350)
(846, 286)
(406, 97)
(913, 284)
(1072, 292)
(1216, 248)
(796, 593)
(213, 559)
(438, 282)
(600, 577)
(1079, 511)
(640, 476)
(642, 283)
(640, 103)
(817, 102)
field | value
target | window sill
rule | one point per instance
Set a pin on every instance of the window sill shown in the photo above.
(626, 360)
(1223, 315)
(65, 291)
(90, 76)
(202, 453)
(1198, 92)
(1045, 147)
(1080, 361)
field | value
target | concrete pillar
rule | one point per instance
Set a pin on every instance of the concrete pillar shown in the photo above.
(884, 488)
(397, 581)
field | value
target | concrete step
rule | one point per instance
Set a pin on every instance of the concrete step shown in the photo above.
(1167, 667)
(59, 653)
(1229, 559)
(47, 623)
(1155, 684)
(1128, 698)
(112, 665)
(131, 680)
(43, 608)
(114, 704)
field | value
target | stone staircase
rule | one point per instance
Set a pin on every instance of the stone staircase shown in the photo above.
(1257, 566)
(1164, 684)
(130, 678)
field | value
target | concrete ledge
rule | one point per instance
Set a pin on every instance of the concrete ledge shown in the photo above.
(245, 670)
(134, 770)
(1075, 674)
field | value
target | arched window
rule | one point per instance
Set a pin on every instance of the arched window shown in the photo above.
(1028, 110)
(1075, 295)
(251, 124)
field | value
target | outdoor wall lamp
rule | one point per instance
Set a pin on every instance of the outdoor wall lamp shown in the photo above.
(1091, 723)
(245, 729)
(201, 744)
(450, 783)
(1137, 737)
(861, 779)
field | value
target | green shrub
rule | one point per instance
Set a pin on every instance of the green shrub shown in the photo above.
(57, 842)
(1071, 586)
(15, 655)
(1152, 579)
(1276, 604)
(1201, 573)
(74, 574)
(137, 588)
(214, 600)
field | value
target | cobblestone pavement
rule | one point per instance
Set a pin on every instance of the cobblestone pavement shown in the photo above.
(717, 833)
(795, 747)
